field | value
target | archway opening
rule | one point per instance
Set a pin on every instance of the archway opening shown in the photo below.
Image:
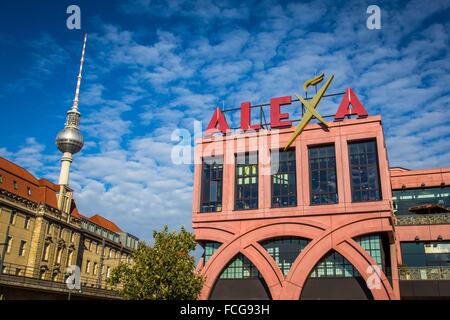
(284, 250)
(240, 280)
(335, 278)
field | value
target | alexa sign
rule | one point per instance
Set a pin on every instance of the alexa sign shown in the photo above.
(219, 123)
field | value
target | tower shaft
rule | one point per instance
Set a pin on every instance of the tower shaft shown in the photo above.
(69, 142)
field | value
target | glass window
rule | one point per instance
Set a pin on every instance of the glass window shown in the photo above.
(70, 258)
(210, 248)
(322, 171)
(22, 247)
(334, 265)
(284, 186)
(434, 198)
(364, 171)
(12, 218)
(372, 244)
(285, 250)
(59, 255)
(422, 254)
(9, 244)
(27, 222)
(246, 181)
(240, 268)
(46, 252)
(95, 270)
(212, 176)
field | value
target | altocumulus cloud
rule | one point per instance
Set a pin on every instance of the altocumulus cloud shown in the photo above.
(143, 83)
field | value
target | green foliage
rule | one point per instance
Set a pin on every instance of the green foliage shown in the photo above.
(164, 271)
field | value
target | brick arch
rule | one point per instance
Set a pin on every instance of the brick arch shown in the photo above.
(213, 234)
(340, 240)
(323, 239)
(222, 260)
(365, 260)
(247, 243)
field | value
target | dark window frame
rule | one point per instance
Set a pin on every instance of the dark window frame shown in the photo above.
(328, 170)
(208, 205)
(376, 163)
(291, 194)
(251, 198)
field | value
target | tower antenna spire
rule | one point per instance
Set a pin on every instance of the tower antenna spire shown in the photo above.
(77, 90)
(70, 141)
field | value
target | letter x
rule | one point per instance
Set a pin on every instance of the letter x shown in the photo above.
(310, 111)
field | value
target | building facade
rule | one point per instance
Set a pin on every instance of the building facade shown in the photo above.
(39, 241)
(331, 221)
(42, 232)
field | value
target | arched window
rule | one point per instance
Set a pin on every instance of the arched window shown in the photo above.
(240, 268)
(284, 250)
(241, 280)
(335, 278)
(334, 265)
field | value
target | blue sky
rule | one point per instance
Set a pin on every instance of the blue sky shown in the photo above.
(154, 66)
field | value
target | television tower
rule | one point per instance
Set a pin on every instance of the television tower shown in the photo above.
(70, 141)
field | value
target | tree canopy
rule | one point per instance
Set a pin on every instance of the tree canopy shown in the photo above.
(164, 271)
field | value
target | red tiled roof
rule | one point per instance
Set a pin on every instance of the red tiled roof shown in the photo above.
(105, 223)
(42, 191)
(17, 170)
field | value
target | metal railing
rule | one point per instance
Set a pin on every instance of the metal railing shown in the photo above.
(422, 219)
(424, 273)
(54, 280)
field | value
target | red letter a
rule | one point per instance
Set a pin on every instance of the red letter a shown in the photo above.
(344, 108)
(218, 123)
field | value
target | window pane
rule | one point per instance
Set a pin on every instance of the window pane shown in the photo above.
(322, 169)
(211, 192)
(364, 171)
(284, 185)
(240, 268)
(408, 201)
(334, 265)
(246, 196)
(285, 250)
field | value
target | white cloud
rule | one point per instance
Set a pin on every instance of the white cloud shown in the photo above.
(141, 85)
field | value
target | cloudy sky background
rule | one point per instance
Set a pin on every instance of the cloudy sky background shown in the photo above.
(154, 66)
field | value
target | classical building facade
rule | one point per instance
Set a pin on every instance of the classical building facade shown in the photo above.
(324, 218)
(39, 241)
(42, 232)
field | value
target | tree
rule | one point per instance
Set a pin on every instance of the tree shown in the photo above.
(164, 271)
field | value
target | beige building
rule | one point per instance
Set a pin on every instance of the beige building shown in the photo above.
(42, 233)
(38, 241)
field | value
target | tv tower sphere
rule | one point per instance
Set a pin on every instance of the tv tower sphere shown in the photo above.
(69, 140)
